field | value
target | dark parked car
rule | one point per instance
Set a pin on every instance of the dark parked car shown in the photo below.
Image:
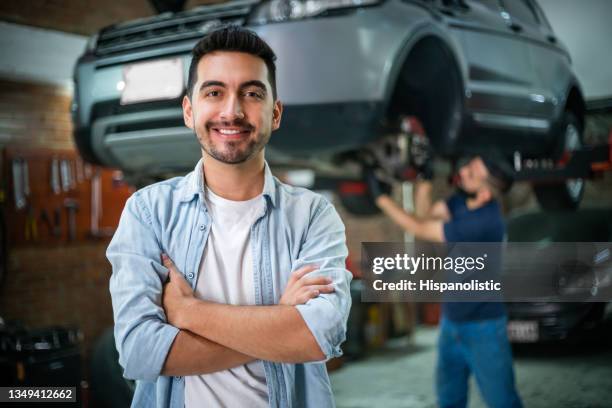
(481, 76)
(554, 320)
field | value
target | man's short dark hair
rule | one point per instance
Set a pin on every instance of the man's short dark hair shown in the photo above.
(500, 176)
(232, 38)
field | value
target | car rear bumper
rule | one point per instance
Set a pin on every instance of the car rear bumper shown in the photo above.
(555, 321)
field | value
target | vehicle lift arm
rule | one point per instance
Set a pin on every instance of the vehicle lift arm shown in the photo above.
(587, 163)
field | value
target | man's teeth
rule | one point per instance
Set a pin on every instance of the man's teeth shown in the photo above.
(229, 131)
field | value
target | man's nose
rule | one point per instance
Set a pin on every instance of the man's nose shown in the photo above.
(232, 109)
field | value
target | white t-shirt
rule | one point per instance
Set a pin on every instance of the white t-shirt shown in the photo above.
(226, 276)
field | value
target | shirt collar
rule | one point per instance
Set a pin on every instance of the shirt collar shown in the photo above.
(194, 183)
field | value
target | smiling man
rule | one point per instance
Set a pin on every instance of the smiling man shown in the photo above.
(226, 281)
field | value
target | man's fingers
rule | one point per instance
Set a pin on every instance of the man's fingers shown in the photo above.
(166, 260)
(320, 289)
(306, 296)
(168, 263)
(311, 292)
(299, 273)
(318, 280)
(327, 289)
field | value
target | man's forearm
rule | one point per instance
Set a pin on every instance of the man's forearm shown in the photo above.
(422, 198)
(408, 222)
(429, 230)
(191, 354)
(274, 333)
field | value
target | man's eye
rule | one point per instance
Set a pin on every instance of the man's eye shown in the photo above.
(253, 94)
(213, 93)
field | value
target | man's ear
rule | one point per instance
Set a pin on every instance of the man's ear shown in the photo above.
(187, 112)
(277, 113)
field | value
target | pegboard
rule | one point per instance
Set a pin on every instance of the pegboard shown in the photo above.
(51, 197)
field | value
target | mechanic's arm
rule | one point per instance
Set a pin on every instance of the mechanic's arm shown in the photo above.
(439, 211)
(424, 207)
(305, 332)
(422, 228)
(422, 198)
(142, 336)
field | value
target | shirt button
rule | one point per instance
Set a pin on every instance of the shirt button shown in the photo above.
(190, 275)
(202, 227)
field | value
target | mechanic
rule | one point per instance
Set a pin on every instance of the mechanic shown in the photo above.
(257, 280)
(473, 335)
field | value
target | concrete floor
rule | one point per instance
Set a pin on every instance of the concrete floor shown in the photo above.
(401, 375)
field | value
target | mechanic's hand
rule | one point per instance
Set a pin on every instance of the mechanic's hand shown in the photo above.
(421, 155)
(376, 186)
(301, 289)
(177, 295)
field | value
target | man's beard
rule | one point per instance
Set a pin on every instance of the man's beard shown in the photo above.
(232, 153)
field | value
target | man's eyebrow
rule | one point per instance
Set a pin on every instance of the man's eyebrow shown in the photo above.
(206, 84)
(255, 83)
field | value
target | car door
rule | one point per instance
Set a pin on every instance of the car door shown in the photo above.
(551, 63)
(500, 71)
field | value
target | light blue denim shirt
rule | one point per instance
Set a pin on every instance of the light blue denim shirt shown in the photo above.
(297, 228)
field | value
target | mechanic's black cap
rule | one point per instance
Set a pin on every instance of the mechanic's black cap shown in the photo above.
(500, 171)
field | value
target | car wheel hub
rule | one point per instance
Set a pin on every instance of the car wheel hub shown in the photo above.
(573, 143)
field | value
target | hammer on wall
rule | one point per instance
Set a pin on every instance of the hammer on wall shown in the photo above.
(72, 207)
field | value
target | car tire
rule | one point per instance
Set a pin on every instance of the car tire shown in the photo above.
(108, 386)
(567, 194)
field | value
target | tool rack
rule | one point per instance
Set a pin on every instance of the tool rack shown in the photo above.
(51, 197)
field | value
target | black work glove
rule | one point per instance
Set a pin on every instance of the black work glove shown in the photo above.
(376, 186)
(420, 152)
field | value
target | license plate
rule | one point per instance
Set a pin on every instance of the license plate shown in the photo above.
(152, 80)
(523, 331)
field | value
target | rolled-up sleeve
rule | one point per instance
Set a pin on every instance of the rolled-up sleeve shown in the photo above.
(142, 336)
(325, 245)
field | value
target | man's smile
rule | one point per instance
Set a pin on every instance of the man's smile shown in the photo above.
(231, 141)
(230, 133)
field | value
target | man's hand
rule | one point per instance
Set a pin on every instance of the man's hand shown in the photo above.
(300, 289)
(421, 155)
(376, 186)
(177, 294)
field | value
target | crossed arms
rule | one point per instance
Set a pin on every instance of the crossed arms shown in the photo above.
(225, 336)
(198, 337)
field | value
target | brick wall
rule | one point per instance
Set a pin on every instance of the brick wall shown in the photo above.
(59, 285)
(84, 17)
(35, 115)
(51, 281)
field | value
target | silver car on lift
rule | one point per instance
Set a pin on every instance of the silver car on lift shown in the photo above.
(482, 76)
